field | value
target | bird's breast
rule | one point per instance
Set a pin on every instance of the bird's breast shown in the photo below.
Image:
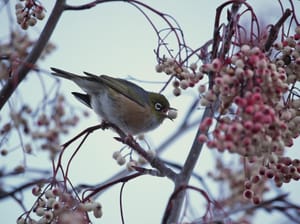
(118, 109)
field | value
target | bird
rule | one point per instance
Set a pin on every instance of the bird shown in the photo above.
(128, 106)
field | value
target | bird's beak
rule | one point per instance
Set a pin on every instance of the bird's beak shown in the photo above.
(171, 113)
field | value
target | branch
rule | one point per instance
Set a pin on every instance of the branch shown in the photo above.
(275, 29)
(4, 194)
(176, 193)
(23, 69)
(154, 161)
(265, 205)
(95, 191)
(229, 30)
(186, 172)
(157, 163)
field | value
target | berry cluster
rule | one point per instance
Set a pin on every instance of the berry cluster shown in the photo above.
(185, 76)
(15, 49)
(239, 191)
(45, 128)
(258, 172)
(289, 56)
(55, 206)
(50, 127)
(259, 111)
(28, 13)
(121, 159)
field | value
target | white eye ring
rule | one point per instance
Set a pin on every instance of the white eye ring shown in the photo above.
(158, 106)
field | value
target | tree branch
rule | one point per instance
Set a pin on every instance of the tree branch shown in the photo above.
(275, 29)
(4, 194)
(184, 176)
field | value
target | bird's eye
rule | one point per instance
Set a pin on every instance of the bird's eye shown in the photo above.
(158, 106)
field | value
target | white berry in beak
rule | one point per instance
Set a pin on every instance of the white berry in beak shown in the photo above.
(172, 113)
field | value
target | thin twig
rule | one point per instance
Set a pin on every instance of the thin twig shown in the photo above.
(96, 191)
(121, 203)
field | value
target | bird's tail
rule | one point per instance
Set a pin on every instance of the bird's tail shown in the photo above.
(64, 74)
(90, 83)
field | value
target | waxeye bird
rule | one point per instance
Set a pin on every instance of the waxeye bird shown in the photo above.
(120, 102)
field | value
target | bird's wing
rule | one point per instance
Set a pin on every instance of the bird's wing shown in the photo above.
(126, 88)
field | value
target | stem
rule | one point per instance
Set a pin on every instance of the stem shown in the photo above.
(121, 203)
(23, 69)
